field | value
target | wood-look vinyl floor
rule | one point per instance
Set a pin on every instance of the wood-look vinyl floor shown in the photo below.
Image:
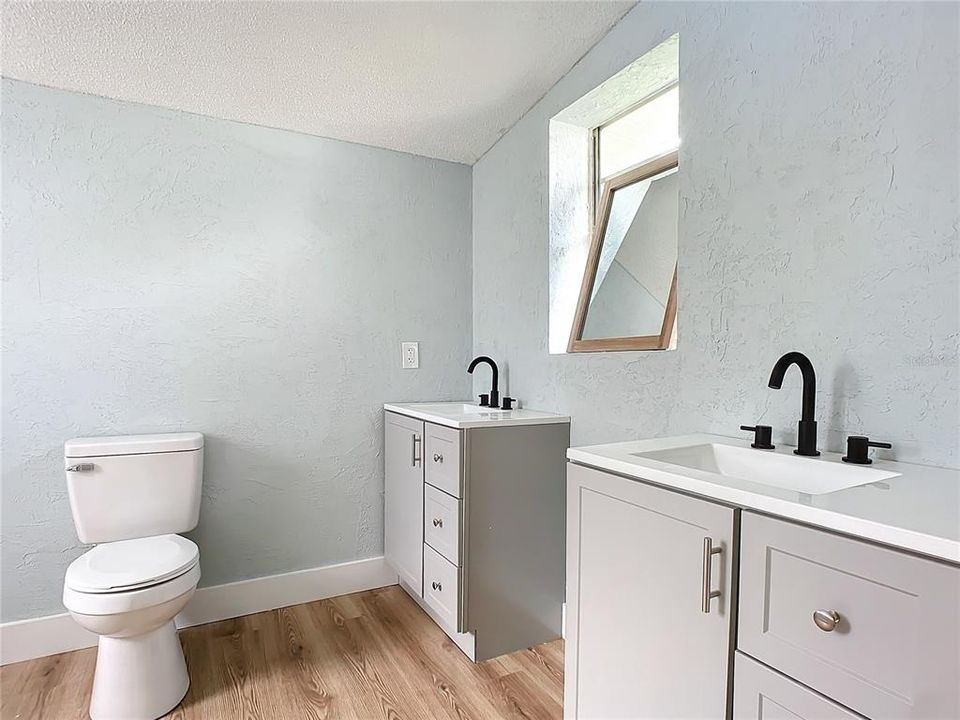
(369, 655)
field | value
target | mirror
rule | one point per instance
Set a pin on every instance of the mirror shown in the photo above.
(628, 299)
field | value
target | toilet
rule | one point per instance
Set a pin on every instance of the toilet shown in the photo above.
(132, 495)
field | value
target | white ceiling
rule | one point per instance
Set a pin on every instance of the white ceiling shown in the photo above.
(442, 79)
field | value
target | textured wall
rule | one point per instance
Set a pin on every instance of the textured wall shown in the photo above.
(167, 272)
(818, 212)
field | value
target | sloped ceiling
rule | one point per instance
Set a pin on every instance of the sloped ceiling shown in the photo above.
(441, 79)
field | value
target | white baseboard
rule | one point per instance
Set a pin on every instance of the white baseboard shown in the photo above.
(221, 602)
(38, 637)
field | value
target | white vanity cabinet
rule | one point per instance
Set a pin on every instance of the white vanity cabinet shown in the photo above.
(649, 605)
(474, 525)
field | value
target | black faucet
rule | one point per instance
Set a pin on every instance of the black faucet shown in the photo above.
(807, 427)
(494, 399)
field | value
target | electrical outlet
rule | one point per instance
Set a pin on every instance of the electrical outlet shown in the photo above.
(410, 355)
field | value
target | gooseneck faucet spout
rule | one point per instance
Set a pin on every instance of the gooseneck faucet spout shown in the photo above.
(807, 427)
(495, 390)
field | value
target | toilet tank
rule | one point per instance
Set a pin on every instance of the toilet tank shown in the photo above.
(134, 486)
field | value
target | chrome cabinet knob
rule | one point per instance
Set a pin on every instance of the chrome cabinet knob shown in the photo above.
(437, 586)
(437, 457)
(437, 522)
(81, 467)
(826, 620)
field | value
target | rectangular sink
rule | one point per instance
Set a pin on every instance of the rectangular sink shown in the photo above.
(790, 472)
(455, 408)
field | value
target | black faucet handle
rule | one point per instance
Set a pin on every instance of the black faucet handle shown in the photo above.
(484, 400)
(858, 447)
(762, 436)
(508, 403)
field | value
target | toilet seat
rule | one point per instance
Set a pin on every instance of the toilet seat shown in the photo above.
(114, 603)
(131, 564)
(129, 575)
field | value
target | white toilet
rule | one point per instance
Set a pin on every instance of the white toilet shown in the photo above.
(130, 494)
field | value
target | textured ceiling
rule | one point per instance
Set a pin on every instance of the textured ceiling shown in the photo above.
(442, 79)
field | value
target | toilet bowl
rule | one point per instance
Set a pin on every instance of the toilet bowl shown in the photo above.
(128, 593)
(133, 495)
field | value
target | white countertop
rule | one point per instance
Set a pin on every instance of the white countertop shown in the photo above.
(919, 510)
(470, 415)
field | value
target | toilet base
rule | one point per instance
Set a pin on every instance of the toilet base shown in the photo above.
(139, 678)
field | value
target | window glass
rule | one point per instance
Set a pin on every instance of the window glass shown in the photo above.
(650, 129)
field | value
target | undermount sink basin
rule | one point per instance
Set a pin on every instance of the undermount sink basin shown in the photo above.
(455, 408)
(791, 472)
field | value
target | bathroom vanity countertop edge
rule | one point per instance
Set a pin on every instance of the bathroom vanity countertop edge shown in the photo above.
(918, 511)
(477, 419)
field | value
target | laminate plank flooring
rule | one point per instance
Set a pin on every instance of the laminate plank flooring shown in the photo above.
(365, 656)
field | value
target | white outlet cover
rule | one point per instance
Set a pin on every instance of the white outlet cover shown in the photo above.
(410, 355)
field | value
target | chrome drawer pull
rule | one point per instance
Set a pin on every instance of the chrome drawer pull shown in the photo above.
(81, 467)
(826, 620)
(708, 552)
(413, 453)
(437, 522)
(437, 457)
(437, 586)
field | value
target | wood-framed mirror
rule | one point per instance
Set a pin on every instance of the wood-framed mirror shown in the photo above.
(628, 298)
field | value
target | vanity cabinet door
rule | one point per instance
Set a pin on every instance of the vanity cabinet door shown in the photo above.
(760, 693)
(639, 644)
(403, 498)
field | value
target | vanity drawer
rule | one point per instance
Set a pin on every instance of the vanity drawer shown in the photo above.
(441, 523)
(760, 693)
(895, 649)
(441, 587)
(441, 458)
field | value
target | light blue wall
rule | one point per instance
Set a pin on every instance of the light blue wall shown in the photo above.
(166, 272)
(818, 212)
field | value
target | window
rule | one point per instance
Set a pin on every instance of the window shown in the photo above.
(646, 131)
(628, 296)
(628, 293)
(613, 207)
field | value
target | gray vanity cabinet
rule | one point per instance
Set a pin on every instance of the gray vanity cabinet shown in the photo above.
(828, 627)
(645, 639)
(403, 498)
(474, 527)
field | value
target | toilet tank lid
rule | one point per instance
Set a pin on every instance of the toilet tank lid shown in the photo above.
(132, 444)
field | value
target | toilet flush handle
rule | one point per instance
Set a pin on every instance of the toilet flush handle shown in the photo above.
(81, 467)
